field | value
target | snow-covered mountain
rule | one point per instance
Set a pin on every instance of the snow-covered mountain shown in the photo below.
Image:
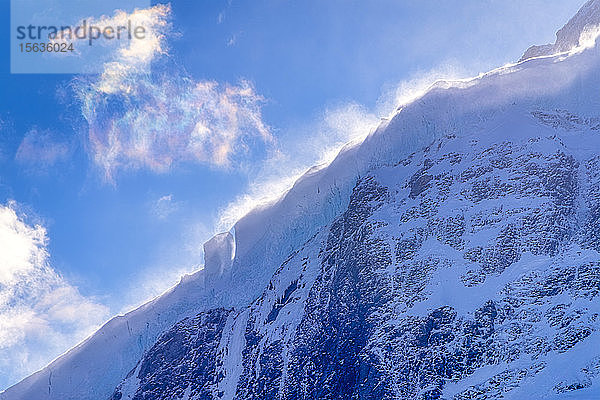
(573, 34)
(454, 254)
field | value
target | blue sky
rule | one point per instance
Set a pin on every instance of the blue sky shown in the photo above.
(303, 77)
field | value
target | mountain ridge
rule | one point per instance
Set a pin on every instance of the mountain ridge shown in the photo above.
(569, 36)
(263, 240)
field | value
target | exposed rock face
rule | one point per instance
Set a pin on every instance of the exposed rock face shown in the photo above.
(469, 270)
(183, 360)
(454, 254)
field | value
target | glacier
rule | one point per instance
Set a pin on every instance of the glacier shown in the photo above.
(453, 254)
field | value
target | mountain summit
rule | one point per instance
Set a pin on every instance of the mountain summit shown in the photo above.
(587, 20)
(454, 254)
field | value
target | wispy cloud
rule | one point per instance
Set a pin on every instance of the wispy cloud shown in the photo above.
(232, 40)
(164, 207)
(143, 119)
(223, 13)
(41, 314)
(41, 149)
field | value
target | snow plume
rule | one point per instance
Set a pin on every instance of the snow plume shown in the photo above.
(141, 117)
(588, 38)
(579, 34)
(314, 145)
(318, 143)
(41, 314)
(417, 85)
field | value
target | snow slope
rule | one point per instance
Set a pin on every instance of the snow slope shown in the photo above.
(549, 96)
(466, 270)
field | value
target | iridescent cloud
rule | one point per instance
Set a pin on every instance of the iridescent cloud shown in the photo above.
(142, 115)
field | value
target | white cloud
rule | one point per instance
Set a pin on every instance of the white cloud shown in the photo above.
(152, 120)
(41, 314)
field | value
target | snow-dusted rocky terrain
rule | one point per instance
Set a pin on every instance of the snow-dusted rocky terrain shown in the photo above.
(455, 254)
